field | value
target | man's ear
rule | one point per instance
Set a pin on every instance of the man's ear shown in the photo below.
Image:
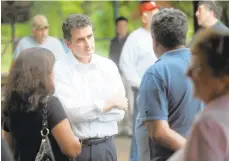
(33, 31)
(155, 42)
(212, 13)
(68, 43)
(144, 17)
(156, 47)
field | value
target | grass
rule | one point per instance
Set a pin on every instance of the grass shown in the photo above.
(6, 58)
(6, 61)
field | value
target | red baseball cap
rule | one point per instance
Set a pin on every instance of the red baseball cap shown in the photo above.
(148, 6)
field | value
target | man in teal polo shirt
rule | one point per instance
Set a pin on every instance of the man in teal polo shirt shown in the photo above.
(166, 104)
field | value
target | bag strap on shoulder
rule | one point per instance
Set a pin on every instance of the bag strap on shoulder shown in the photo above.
(45, 129)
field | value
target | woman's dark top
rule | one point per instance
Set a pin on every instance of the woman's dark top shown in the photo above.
(25, 128)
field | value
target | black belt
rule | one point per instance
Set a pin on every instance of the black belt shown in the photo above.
(94, 141)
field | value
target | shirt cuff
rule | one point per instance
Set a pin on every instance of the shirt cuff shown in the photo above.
(99, 105)
(152, 118)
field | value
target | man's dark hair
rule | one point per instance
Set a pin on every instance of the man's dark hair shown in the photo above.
(212, 6)
(169, 27)
(74, 21)
(121, 18)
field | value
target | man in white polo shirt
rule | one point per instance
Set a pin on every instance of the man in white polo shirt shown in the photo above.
(39, 38)
(137, 55)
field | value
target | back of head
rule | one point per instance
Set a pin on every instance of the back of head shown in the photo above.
(75, 21)
(30, 79)
(169, 27)
(212, 6)
(213, 46)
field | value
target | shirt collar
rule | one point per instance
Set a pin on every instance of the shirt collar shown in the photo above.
(75, 62)
(175, 52)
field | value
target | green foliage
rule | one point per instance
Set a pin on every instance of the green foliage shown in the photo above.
(187, 8)
(100, 12)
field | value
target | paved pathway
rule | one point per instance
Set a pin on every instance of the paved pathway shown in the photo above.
(123, 147)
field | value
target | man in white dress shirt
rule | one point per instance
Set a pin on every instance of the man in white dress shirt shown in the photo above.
(91, 90)
(137, 55)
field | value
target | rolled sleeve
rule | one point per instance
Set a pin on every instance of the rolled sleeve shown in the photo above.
(152, 101)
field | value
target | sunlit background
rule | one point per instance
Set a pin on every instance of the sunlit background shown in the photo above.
(102, 13)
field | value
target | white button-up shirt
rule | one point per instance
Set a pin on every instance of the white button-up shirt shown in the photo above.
(83, 89)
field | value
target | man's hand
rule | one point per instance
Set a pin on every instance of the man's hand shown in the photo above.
(121, 103)
(117, 101)
(161, 133)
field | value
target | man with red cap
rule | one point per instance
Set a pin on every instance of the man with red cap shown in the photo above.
(137, 55)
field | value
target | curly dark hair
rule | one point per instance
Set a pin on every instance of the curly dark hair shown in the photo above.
(213, 45)
(29, 80)
(169, 27)
(74, 21)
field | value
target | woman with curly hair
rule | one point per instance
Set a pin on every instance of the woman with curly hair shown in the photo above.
(29, 83)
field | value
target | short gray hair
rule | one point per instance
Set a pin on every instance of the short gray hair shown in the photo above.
(169, 27)
(74, 21)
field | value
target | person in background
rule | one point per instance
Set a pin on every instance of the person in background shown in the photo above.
(116, 45)
(40, 38)
(30, 81)
(91, 90)
(165, 101)
(137, 55)
(208, 16)
(209, 138)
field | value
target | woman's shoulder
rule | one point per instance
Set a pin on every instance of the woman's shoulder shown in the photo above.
(55, 111)
(53, 100)
(54, 104)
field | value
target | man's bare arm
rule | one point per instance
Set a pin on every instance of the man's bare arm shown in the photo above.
(161, 133)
